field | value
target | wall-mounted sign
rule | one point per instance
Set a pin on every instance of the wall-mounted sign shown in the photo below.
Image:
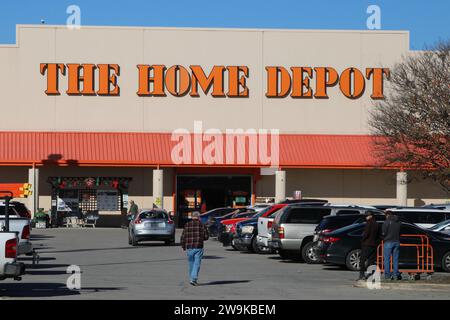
(107, 200)
(222, 81)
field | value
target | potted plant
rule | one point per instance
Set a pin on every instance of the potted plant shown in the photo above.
(40, 218)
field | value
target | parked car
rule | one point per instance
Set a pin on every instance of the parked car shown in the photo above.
(151, 225)
(423, 217)
(259, 206)
(443, 227)
(9, 267)
(387, 206)
(293, 228)
(331, 223)
(214, 224)
(245, 237)
(265, 226)
(443, 206)
(20, 225)
(218, 212)
(343, 246)
(228, 227)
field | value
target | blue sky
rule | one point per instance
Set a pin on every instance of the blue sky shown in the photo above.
(427, 21)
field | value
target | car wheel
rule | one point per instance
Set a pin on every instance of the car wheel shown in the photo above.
(259, 249)
(446, 262)
(134, 241)
(254, 247)
(170, 242)
(309, 254)
(353, 259)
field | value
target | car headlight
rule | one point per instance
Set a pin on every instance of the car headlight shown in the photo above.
(247, 229)
(228, 227)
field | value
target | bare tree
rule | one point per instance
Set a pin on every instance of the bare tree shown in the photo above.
(413, 121)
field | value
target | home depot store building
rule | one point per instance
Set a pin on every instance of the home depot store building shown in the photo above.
(100, 115)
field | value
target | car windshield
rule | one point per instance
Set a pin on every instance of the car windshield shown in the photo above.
(440, 225)
(245, 214)
(235, 214)
(262, 212)
(273, 214)
(153, 215)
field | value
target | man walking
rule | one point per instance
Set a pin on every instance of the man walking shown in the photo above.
(192, 238)
(368, 245)
(391, 237)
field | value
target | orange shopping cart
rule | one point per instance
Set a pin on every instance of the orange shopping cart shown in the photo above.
(424, 256)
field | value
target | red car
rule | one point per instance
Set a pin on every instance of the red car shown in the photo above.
(228, 227)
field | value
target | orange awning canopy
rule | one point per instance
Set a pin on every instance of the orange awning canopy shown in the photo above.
(155, 149)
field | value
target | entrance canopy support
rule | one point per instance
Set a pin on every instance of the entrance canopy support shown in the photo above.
(158, 177)
(280, 185)
(33, 200)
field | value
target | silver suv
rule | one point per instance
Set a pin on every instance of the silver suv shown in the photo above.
(293, 228)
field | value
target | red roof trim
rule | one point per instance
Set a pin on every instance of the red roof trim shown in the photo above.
(22, 148)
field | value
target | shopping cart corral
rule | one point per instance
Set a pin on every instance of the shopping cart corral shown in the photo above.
(424, 256)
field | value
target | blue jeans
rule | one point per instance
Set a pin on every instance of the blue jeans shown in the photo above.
(391, 248)
(195, 259)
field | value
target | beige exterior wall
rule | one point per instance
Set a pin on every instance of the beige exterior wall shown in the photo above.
(23, 99)
(362, 187)
(368, 187)
(365, 187)
(23, 86)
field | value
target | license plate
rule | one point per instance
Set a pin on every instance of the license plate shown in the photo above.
(155, 225)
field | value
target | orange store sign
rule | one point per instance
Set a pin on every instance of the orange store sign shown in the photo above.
(221, 81)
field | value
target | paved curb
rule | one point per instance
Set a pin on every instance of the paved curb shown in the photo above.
(418, 286)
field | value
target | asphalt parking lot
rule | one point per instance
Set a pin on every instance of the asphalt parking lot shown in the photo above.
(111, 269)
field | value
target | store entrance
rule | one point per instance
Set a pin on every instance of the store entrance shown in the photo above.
(203, 193)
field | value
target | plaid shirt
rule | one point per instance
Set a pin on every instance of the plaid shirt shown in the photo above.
(194, 234)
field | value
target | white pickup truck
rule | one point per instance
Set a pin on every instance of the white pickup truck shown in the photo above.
(264, 229)
(22, 227)
(9, 267)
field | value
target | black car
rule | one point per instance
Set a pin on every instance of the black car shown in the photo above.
(246, 233)
(214, 223)
(218, 212)
(343, 246)
(331, 223)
